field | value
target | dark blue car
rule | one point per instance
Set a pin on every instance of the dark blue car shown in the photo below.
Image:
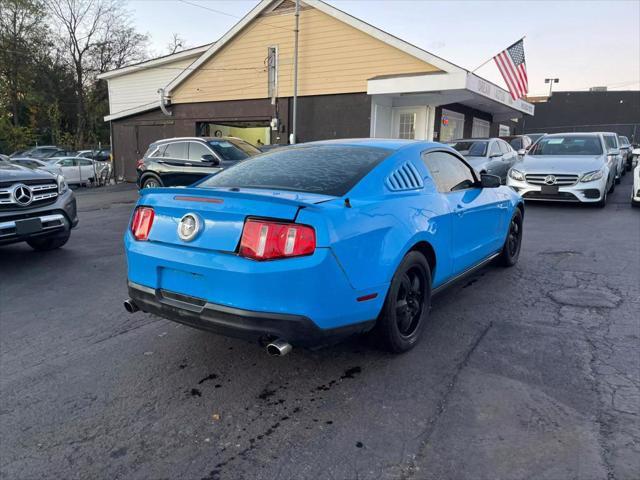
(308, 244)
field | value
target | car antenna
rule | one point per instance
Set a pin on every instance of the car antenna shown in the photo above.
(347, 203)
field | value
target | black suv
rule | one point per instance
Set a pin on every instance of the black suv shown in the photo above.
(183, 161)
(36, 207)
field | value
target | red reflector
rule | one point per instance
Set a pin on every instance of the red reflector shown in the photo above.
(364, 298)
(266, 240)
(141, 223)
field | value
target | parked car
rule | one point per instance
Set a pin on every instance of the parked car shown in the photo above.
(102, 155)
(43, 152)
(306, 244)
(4, 157)
(635, 154)
(490, 155)
(520, 143)
(35, 207)
(613, 150)
(535, 136)
(626, 151)
(635, 193)
(566, 167)
(80, 171)
(36, 163)
(182, 161)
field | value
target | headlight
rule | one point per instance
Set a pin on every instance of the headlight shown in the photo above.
(516, 175)
(62, 185)
(591, 176)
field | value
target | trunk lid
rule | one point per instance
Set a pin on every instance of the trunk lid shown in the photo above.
(221, 212)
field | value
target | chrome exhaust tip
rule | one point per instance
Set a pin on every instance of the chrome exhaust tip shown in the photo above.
(130, 306)
(278, 348)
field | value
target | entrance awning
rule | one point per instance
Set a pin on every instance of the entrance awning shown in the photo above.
(444, 88)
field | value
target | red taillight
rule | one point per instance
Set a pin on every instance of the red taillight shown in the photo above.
(141, 223)
(265, 240)
(140, 164)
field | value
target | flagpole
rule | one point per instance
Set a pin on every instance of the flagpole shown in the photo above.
(479, 67)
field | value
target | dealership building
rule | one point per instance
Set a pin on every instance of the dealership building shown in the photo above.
(354, 80)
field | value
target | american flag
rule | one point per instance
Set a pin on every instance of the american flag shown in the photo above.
(513, 68)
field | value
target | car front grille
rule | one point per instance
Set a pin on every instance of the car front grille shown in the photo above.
(561, 179)
(560, 196)
(42, 193)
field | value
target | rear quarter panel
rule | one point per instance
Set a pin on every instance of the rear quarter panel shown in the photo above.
(370, 239)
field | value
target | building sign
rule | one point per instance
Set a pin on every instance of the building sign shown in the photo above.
(489, 90)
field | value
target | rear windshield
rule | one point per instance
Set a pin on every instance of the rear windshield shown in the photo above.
(233, 150)
(324, 169)
(472, 149)
(567, 145)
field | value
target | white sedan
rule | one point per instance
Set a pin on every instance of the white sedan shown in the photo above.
(80, 171)
(635, 193)
(36, 163)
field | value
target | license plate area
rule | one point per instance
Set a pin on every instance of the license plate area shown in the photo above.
(190, 285)
(28, 226)
(550, 189)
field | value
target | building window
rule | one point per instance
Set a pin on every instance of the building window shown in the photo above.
(407, 126)
(480, 128)
(272, 71)
(504, 131)
(452, 126)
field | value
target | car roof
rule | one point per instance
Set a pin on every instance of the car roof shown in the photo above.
(386, 143)
(199, 139)
(576, 134)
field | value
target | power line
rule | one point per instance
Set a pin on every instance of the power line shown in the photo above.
(231, 15)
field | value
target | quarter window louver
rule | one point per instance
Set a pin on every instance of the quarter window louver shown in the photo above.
(404, 178)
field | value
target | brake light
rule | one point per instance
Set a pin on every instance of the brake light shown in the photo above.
(142, 222)
(140, 164)
(266, 240)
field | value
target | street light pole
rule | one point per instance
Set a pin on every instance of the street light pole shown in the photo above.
(551, 81)
(294, 118)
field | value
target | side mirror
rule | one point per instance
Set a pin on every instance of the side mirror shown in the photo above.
(522, 152)
(490, 181)
(207, 157)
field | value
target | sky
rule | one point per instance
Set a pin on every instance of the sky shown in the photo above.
(583, 43)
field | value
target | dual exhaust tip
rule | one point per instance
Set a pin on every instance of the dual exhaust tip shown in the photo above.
(277, 348)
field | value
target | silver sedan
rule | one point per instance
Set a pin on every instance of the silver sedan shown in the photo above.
(566, 167)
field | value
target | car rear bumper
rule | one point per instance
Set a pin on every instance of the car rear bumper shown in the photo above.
(55, 219)
(237, 322)
(314, 286)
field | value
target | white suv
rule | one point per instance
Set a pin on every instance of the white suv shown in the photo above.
(566, 167)
(613, 149)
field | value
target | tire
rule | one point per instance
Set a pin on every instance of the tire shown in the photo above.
(151, 181)
(49, 243)
(406, 308)
(513, 243)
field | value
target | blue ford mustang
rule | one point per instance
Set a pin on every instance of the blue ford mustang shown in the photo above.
(308, 244)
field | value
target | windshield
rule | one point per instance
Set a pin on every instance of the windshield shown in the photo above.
(324, 169)
(231, 150)
(471, 148)
(568, 145)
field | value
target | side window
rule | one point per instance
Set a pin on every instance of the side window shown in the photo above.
(495, 149)
(506, 148)
(176, 150)
(448, 172)
(67, 162)
(197, 150)
(157, 152)
(84, 162)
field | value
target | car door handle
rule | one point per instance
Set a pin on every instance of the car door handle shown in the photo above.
(188, 164)
(459, 210)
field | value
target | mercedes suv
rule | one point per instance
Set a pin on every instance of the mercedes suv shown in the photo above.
(36, 207)
(182, 161)
(566, 167)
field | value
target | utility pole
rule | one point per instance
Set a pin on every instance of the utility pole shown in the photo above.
(551, 81)
(293, 137)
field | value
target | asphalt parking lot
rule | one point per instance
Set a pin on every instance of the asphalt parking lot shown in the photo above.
(529, 372)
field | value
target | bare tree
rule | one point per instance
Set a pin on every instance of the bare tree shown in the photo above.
(176, 44)
(96, 36)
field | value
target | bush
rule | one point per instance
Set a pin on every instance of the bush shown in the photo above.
(14, 138)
